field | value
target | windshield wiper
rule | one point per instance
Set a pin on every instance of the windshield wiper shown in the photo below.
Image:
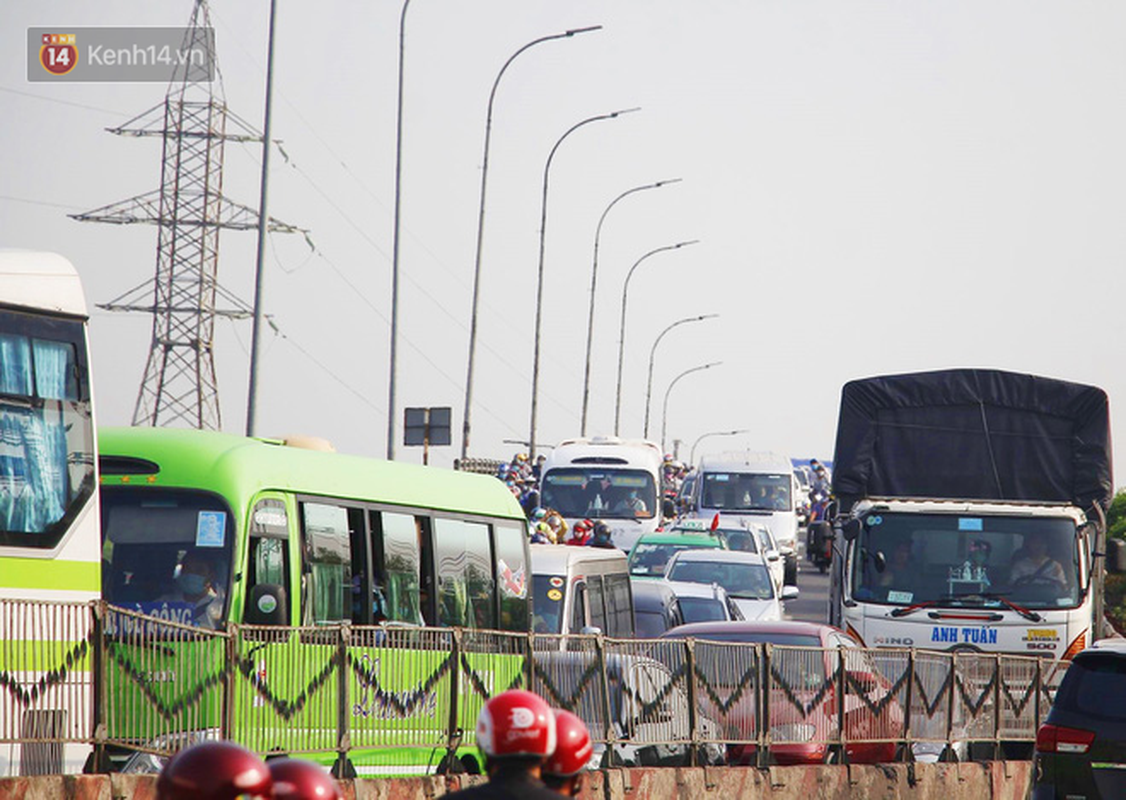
(905, 610)
(1029, 615)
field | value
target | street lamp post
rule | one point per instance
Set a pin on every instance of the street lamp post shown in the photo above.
(665, 408)
(539, 278)
(594, 281)
(622, 331)
(481, 226)
(692, 453)
(653, 352)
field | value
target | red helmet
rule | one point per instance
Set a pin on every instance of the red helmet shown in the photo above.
(516, 723)
(295, 779)
(214, 771)
(572, 747)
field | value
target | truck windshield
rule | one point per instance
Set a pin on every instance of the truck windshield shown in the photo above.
(167, 553)
(949, 559)
(746, 491)
(600, 493)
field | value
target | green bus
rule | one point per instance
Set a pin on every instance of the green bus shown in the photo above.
(255, 555)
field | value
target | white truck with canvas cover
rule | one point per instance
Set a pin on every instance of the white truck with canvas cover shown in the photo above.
(971, 512)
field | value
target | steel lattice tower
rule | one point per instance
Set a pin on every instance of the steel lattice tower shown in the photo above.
(179, 385)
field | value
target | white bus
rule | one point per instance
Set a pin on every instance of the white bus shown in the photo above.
(50, 562)
(606, 478)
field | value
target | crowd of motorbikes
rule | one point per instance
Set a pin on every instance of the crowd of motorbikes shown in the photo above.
(819, 543)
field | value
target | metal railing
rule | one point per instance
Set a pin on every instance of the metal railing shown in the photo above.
(393, 697)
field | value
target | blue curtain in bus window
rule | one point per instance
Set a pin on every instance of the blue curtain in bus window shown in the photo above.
(33, 484)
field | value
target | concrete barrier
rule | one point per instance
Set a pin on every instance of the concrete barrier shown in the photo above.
(998, 780)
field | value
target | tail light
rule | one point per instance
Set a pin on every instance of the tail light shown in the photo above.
(1058, 739)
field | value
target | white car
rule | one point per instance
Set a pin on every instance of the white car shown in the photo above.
(744, 576)
(704, 602)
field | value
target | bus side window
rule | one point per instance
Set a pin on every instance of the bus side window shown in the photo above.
(619, 606)
(512, 575)
(596, 601)
(328, 563)
(401, 566)
(463, 562)
(578, 607)
(363, 581)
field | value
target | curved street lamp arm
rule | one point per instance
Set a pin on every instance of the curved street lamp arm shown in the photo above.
(481, 222)
(672, 383)
(539, 271)
(622, 329)
(692, 453)
(652, 355)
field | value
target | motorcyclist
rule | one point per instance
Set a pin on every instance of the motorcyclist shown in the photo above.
(516, 732)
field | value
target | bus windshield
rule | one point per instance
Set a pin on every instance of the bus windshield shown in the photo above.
(600, 493)
(746, 491)
(167, 553)
(47, 434)
(948, 559)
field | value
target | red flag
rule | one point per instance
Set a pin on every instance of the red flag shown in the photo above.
(715, 521)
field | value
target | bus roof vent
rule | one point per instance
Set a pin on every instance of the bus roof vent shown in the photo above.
(127, 465)
(304, 442)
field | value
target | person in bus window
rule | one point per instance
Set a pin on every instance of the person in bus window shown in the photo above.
(195, 586)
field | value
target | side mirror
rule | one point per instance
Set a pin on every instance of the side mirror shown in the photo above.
(850, 530)
(772, 555)
(789, 593)
(268, 605)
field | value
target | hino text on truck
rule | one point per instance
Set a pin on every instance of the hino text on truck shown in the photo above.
(971, 512)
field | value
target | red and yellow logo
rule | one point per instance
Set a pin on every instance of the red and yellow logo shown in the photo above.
(58, 53)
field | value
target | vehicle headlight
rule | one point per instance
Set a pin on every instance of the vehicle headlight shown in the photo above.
(151, 764)
(793, 732)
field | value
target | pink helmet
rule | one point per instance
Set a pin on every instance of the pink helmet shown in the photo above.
(516, 723)
(214, 771)
(573, 747)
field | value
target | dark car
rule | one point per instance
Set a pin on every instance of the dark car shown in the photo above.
(655, 608)
(1081, 747)
(803, 705)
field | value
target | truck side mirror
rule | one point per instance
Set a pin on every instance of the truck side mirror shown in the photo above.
(850, 530)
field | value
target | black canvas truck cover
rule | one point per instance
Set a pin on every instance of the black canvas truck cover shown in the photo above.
(973, 434)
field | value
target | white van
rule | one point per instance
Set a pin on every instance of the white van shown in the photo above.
(578, 589)
(606, 478)
(760, 485)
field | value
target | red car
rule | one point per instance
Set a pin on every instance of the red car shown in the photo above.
(804, 707)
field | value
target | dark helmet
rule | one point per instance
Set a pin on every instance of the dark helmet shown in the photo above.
(295, 779)
(214, 771)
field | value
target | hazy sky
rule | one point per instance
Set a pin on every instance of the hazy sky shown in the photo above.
(876, 186)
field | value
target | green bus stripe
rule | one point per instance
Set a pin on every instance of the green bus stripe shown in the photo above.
(42, 573)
